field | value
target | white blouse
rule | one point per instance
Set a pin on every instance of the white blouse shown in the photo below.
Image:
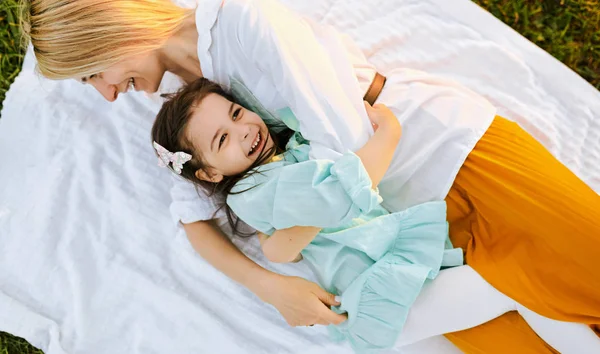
(321, 75)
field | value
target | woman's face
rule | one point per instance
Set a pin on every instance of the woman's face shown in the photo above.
(142, 73)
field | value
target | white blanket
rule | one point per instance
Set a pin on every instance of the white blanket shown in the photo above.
(90, 260)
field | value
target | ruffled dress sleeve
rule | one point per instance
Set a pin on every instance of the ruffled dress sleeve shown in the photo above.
(320, 193)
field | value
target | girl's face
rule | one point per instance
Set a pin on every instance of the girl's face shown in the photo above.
(229, 137)
(142, 73)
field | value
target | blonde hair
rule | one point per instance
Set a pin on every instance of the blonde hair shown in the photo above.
(79, 38)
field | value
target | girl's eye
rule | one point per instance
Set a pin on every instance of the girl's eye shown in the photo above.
(222, 139)
(236, 114)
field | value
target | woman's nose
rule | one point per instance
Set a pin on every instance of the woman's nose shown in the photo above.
(109, 92)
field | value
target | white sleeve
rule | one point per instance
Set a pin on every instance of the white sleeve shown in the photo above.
(319, 85)
(190, 205)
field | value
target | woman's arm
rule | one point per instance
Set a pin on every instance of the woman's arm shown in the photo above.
(318, 85)
(299, 301)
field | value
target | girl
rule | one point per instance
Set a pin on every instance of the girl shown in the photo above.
(329, 213)
(512, 207)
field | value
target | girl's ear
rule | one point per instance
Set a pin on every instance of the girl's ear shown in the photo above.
(213, 177)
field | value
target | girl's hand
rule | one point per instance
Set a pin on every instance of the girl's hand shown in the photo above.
(300, 302)
(382, 117)
(377, 154)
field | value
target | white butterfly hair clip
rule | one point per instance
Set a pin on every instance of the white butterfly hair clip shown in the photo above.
(165, 157)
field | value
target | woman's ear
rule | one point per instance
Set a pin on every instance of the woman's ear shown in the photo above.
(212, 177)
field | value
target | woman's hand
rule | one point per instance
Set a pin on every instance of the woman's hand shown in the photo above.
(300, 302)
(382, 117)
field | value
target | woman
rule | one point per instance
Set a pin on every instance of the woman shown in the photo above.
(286, 61)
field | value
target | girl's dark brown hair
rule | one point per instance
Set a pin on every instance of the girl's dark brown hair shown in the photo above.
(169, 132)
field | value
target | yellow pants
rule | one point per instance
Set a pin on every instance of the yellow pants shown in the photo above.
(531, 228)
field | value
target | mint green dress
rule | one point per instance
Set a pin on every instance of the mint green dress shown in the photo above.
(376, 261)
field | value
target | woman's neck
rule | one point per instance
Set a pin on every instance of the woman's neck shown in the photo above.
(180, 53)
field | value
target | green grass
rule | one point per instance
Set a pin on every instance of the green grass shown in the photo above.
(567, 29)
(11, 57)
(14, 345)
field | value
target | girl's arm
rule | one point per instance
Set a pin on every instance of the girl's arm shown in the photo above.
(299, 301)
(285, 245)
(376, 155)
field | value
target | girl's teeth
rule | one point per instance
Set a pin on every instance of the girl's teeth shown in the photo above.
(255, 144)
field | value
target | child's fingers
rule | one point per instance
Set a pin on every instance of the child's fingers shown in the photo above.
(372, 114)
(326, 315)
(329, 317)
(326, 297)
